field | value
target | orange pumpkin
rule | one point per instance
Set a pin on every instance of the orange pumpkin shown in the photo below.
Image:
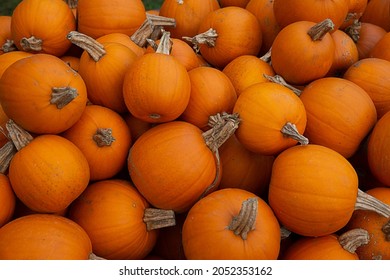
(340, 114)
(156, 87)
(42, 94)
(381, 48)
(6, 59)
(104, 138)
(377, 12)
(313, 190)
(211, 92)
(273, 118)
(231, 224)
(48, 173)
(7, 199)
(44, 237)
(227, 33)
(3, 120)
(113, 213)
(72, 61)
(30, 22)
(303, 51)
(99, 17)
(378, 150)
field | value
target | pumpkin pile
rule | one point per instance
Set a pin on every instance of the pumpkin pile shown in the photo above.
(241, 129)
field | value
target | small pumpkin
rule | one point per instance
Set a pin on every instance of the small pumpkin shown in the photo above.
(44, 237)
(231, 224)
(7, 199)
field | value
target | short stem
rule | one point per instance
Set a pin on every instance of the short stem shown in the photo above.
(94, 48)
(103, 137)
(158, 218)
(209, 38)
(7, 152)
(8, 46)
(353, 239)
(318, 31)
(354, 30)
(62, 96)
(290, 130)
(277, 79)
(386, 230)
(19, 137)
(31, 44)
(365, 201)
(245, 221)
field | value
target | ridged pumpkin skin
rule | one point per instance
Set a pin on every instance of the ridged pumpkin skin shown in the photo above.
(49, 173)
(378, 150)
(313, 190)
(111, 212)
(171, 165)
(44, 237)
(47, 20)
(340, 114)
(206, 235)
(7, 200)
(29, 89)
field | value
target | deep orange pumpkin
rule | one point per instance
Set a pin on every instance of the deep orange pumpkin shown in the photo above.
(7, 199)
(381, 48)
(210, 231)
(7, 59)
(377, 12)
(44, 237)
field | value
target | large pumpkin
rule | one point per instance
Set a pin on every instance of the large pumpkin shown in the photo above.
(44, 237)
(42, 94)
(231, 224)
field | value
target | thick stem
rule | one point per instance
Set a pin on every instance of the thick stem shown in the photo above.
(62, 96)
(19, 137)
(318, 31)
(103, 137)
(209, 38)
(245, 221)
(277, 79)
(7, 152)
(8, 46)
(290, 130)
(165, 45)
(353, 239)
(354, 30)
(87, 43)
(386, 230)
(31, 44)
(365, 201)
(158, 218)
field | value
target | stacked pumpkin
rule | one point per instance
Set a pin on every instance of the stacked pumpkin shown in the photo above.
(231, 131)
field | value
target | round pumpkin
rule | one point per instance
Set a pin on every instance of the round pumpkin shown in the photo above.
(41, 26)
(44, 237)
(231, 224)
(42, 94)
(7, 199)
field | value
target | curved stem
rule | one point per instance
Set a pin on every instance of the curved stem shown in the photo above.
(7, 152)
(31, 44)
(245, 221)
(103, 137)
(365, 201)
(209, 38)
(19, 136)
(158, 218)
(94, 48)
(277, 79)
(290, 130)
(318, 31)
(353, 239)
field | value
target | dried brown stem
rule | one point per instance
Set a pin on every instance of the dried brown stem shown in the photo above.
(319, 30)
(208, 38)
(94, 48)
(7, 152)
(62, 96)
(158, 218)
(103, 137)
(353, 239)
(31, 44)
(290, 130)
(365, 201)
(277, 79)
(245, 221)
(19, 137)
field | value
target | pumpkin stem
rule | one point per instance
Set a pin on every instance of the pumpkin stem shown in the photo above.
(8, 46)
(62, 96)
(87, 43)
(31, 44)
(158, 218)
(72, 3)
(319, 30)
(209, 38)
(277, 79)
(165, 44)
(290, 130)
(94, 257)
(386, 230)
(353, 30)
(353, 239)
(7, 152)
(103, 137)
(19, 137)
(151, 28)
(267, 56)
(245, 221)
(365, 201)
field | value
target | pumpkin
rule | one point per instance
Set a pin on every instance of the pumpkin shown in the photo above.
(48, 172)
(212, 92)
(99, 17)
(371, 75)
(231, 224)
(378, 150)
(30, 22)
(6, 42)
(136, 126)
(381, 50)
(290, 11)
(227, 33)
(42, 94)
(159, 161)
(44, 237)
(7, 198)
(104, 138)
(72, 61)
(303, 51)
(103, 67)
(332, 120)
(188, 15)
(156, 87)
(328, 247)
(117, 219)
(272, 116)
(365, 35)
(377, 12)
(377, 226)
(247, 70)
